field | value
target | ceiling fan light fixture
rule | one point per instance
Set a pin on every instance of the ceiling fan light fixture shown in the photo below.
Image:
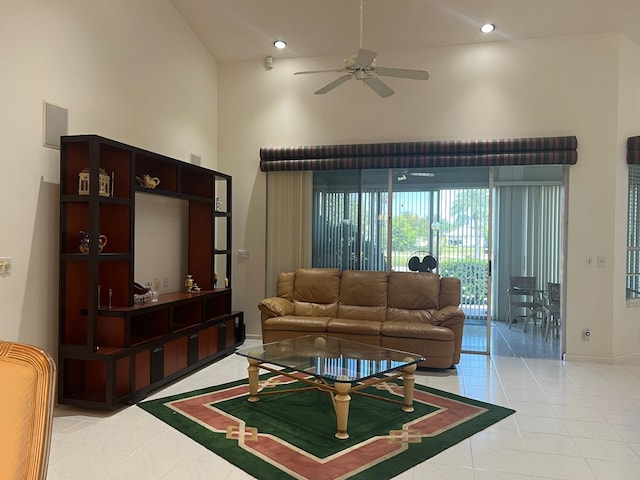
(487, 28)
(280, 44)
(423, 174)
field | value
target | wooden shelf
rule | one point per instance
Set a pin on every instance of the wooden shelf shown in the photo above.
(113, 356)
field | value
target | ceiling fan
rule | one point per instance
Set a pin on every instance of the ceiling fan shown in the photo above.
(362, 66)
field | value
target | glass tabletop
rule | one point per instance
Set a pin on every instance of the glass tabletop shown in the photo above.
(331, 358)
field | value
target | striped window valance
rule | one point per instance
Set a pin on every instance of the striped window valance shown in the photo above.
(472, 153)
(633, 150)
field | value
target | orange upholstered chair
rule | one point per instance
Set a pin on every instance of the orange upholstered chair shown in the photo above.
(27, 379)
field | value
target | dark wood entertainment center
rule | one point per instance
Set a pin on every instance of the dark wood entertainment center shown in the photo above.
(113, 351)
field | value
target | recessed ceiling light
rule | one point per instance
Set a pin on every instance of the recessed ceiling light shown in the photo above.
(280, 44)
(487, 28)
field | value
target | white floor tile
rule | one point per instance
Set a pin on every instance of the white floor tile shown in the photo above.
(601, 431)
(608, 470)
(606, 450)
(554, 444)
(434, 470)
(561, 467)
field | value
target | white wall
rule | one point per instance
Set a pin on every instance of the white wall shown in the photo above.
(549, 87)
(130, 70)
(626, 328)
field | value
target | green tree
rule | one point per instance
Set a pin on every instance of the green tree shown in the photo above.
(407, 228)
(471, 208)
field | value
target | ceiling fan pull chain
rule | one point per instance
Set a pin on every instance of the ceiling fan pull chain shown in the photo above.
(361, 23)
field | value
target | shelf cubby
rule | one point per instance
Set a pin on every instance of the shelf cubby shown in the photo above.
(165, 170)
(187, 315)
(197, 183)
(116, 161)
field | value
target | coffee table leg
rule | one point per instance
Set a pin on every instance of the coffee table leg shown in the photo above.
(342, 408)
(408, 381)
(253, 380)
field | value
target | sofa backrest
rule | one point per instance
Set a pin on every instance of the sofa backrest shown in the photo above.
(316, 292)
(413, 296)
(363, 295)
(356, 294)
(450, 292)
(284, 287)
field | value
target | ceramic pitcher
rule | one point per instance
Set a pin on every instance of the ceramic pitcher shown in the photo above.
(84, 242)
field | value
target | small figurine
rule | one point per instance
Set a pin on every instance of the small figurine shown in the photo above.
(188, 283)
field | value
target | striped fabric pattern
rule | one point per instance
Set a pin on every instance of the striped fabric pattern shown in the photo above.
(473, 153)
(633, 150)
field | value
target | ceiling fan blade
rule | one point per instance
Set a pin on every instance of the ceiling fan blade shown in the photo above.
(332, 85)
(378, 86)
(403, 73)
(365, 57)
(319, 71)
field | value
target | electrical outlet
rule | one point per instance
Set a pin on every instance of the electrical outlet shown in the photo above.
(165, 282)
(5, 266)
(243, 255)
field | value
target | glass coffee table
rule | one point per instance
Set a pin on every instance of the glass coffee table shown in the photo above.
(339, 367)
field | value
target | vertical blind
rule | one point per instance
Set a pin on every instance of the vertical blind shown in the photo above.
(633, 219)
(633, 233)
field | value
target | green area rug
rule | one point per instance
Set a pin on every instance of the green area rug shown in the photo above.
(291, 435)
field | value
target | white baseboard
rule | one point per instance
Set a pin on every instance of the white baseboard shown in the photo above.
(622, 359)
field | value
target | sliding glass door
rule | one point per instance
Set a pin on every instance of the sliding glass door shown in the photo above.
(381, 219)
(444, 212)
(350, 219)
(528, 241)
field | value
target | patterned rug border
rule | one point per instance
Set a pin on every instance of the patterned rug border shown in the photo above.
(228, 447)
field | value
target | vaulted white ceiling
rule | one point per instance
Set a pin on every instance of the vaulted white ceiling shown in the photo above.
(240, 30)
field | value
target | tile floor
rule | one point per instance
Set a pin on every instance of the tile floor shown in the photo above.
(576, 421)
(511, 342)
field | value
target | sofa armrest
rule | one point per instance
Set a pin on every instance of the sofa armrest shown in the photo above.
(275, 307)
(448, 316)
(452, 317)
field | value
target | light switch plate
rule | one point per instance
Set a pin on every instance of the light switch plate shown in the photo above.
(5, 265)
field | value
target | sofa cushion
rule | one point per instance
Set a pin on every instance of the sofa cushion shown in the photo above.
(363, 295)
(416, 330)
(353, 326)
(409, 316)
(414, 290)
(301, 324)
(449, 291)
(284, 288)
(276, 306)
(316, 292)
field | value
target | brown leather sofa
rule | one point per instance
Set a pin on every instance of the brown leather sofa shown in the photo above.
(414, 312)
